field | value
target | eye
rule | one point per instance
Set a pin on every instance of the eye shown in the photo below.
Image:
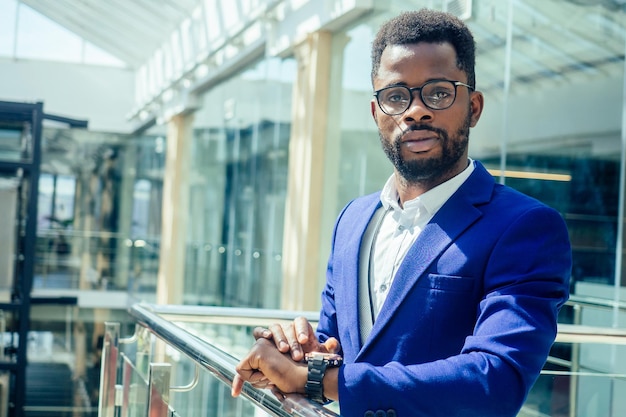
(439, 94)
(395, 96)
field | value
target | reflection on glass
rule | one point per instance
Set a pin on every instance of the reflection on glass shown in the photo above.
(9, 196)
(135, 395)
(580, 385)
(15, 142)
(551, 127)
(99, 214)
(553, 68)
(239, 163)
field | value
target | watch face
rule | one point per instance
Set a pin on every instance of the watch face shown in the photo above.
(332, 359)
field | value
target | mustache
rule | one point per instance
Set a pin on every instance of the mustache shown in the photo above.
(422, 126)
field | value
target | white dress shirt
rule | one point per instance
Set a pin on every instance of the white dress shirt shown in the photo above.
(399, 228)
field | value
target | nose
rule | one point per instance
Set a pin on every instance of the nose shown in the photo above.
(417, 110)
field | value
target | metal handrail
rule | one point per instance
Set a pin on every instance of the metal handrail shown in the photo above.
(219, 363)
(576, 333)
(160, 320)
(567, 333)
(586, 301)
(230, 315)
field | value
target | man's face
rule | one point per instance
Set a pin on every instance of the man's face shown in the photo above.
(426, 146)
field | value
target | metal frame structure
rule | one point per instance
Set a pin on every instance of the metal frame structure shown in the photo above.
(16, 115)
(27, 170)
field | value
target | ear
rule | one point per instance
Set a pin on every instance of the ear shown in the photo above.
(477, 102)
(374, 109)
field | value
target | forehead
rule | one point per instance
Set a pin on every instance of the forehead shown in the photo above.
(418, 63)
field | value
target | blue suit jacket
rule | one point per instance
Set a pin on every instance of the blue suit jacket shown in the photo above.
(472, 312)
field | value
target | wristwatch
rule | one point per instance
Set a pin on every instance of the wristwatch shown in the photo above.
(318, 363)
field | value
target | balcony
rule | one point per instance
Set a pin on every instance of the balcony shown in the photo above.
(180, 362)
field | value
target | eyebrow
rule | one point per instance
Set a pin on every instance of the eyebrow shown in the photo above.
(404, 84)
(397, 84)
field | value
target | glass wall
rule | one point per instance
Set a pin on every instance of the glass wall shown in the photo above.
(552, 73)
(98, 210)
(238, 184)
(552, 124)
(557, 111)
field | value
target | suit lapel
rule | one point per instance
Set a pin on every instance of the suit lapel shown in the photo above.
(355, 223)
(438, 234)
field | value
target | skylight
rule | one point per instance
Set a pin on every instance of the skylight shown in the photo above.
(27, 34)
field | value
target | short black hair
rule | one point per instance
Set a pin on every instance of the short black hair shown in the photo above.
(427, 26)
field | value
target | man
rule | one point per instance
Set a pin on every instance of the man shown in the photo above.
(443, 290)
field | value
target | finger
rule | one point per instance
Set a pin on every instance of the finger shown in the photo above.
(304, 330)
(280, 340)
(260, 384)
(258, 378)
(289, 330)
(332, 345)
(312, 344)
(236, 386)
(262, 332)
(279, 394)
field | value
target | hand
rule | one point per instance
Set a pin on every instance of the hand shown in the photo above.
(297, 338)
(264, 364)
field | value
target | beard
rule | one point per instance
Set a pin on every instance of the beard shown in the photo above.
(427, 170)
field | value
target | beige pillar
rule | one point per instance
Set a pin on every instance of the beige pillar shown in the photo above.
(301, 241)
(175, 212)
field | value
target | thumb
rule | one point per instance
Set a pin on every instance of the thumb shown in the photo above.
(237, 385)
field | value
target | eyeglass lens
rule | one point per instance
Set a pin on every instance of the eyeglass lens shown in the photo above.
(437, 95)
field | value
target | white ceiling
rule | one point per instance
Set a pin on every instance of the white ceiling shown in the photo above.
(128, 30)
(553, 41)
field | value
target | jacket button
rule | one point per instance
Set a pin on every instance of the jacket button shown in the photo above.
(380, 413)
(368, 414)
(391, 413)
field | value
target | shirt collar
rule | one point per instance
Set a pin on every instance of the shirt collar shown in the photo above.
(431, 200)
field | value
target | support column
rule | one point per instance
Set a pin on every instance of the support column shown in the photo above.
(301, 241)
(175, 212)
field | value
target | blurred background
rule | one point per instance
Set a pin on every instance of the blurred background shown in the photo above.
(197, 152)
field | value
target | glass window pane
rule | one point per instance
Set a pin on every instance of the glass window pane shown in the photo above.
(40, 38)
(7, 26)
(237, 198)
(565, 117)
(97, 56)
(553, 121)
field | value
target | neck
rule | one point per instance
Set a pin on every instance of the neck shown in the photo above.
(408, 190)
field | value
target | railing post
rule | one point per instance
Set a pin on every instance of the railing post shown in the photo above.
(144, 350)
(159, 389)
(573, 383)
(108, 370)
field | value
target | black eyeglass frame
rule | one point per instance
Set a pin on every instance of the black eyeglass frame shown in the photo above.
(420, 89)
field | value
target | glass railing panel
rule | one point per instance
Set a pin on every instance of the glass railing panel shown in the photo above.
(584, 376)
(108, 372)
(134, 402)
(576, 394)
(195, 391)
(187, 348)
(236, 340)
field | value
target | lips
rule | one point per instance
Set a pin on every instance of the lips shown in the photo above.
(419, 140)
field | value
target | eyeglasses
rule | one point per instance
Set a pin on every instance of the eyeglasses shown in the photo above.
(435, 94)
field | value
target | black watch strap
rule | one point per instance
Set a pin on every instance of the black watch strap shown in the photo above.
(314, 387)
